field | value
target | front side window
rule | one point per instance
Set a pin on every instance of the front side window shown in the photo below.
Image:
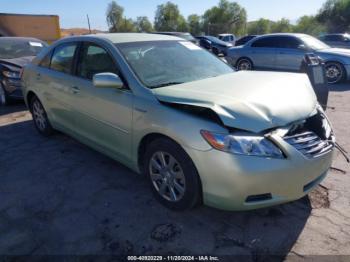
(266, 42)
(63, 57)
(162, 63)
(288, 42)
(95, 60)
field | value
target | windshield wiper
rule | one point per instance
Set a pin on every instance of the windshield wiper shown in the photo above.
(166, 84)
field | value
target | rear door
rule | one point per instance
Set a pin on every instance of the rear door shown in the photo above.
(290, 53)
(104, 115)
(263, 52)
(55, 80)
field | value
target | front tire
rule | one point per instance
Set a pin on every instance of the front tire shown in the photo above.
(172, 175)
(244, 64)
(41, 122)
(335, 72)
(4, 99)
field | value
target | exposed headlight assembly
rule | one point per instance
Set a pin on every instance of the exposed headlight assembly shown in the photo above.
(11, 74)
(243, 144)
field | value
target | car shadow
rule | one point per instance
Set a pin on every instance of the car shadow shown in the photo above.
(59, 197)
(340, 87)
(12, 108)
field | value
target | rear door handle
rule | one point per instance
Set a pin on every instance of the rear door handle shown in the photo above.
(75, 89)
(38, 76)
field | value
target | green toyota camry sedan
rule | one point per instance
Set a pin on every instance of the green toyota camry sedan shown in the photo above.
(199, 131)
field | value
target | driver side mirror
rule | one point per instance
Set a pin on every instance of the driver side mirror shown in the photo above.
(107, 80)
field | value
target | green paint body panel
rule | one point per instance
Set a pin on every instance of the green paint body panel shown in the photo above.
(115, 121)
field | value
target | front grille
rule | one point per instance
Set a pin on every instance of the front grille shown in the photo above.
(309, 144)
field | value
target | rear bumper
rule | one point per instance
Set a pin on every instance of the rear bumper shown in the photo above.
(347, 69)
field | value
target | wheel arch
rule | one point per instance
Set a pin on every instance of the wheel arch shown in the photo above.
(149, 138)
(244, 57)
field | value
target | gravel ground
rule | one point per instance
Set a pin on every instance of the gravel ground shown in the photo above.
(58, 197)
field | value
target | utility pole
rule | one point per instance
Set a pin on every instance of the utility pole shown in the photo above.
(88, 20)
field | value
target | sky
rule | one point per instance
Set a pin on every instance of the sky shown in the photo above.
(73, 12)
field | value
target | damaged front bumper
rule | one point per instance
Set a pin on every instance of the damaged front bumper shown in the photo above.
(241, 182)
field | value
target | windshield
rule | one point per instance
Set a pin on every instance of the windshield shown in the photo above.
(314, 43)
(188, 37)
(162, 63)
(15, 48)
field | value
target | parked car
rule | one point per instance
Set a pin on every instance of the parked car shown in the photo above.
(215, 44)
(285, 52)
(200, 131)
(15, 52)
(337, 40)
(230, 38)
(186, 36)
(245, 39)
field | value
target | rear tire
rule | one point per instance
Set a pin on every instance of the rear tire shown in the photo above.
(41, 122)
(172, 175)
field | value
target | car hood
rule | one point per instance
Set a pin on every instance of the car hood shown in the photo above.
(335, 51)
(17, 62)
(252, 101)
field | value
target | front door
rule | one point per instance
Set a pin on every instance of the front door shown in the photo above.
(103, 115)
(290, 54)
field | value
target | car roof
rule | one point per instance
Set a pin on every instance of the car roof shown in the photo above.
(131, 37)
(284, 34)
(224, 34)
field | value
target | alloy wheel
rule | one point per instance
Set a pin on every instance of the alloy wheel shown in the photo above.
(334, 73)
(244, 65)
(39, 115)
(167, 176)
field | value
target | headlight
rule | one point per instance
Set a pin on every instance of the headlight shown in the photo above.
(243, 144)
(11, 74)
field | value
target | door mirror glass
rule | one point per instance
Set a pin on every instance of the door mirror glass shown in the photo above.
(107, 80)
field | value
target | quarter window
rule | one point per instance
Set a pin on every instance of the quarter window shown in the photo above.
(94, 60)
(63, 57)
(288, 42)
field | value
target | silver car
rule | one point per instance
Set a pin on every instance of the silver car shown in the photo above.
(285, 52)
(337, 40)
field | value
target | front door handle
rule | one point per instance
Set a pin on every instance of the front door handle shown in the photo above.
(38, 76)
(75, 89)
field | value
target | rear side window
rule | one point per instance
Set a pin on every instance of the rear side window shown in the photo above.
(63, 57)
(93, 60)
(266, 42)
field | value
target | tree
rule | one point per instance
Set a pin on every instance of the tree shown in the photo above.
(227, 17)
(114, 16)
(259, 27)
(194, 24)
(335, 14)
(116, 21)
(168, 18)
(281, 26)
(142, 24)
(309, 25)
